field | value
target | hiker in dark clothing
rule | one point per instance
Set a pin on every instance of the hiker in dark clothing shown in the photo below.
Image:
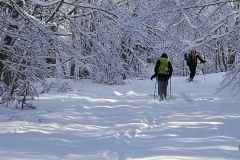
(163, 71)
(192, 59)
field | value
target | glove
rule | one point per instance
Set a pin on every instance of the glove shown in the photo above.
(153, 76)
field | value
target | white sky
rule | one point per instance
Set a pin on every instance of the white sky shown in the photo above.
(124, 122)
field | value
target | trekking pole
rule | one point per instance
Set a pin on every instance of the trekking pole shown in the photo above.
(204, 71)
(155, 88)
(170, 88)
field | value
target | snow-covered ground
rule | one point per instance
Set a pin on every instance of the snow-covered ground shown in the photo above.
(124, 122)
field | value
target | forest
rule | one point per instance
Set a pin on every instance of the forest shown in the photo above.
(109, 41)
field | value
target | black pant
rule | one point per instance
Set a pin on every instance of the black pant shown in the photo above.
(192, 69)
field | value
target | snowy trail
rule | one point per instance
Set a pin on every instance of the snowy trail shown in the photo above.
(125, 122)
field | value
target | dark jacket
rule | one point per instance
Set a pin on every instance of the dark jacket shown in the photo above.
(162, 77)
(193, 57)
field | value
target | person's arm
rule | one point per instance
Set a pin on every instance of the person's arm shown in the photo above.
(170, 68)
(155, 70)
(201, 59)
(157, 67)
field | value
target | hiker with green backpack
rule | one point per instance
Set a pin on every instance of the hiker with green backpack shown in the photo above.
(162, 71)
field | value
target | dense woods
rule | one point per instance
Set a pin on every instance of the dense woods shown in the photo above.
(109, 41)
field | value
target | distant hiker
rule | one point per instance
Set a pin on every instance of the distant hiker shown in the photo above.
(163, 71)
(191, 59)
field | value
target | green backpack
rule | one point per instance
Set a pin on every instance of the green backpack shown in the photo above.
(163, 67)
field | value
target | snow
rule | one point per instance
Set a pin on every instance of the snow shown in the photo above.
(45, 3)
(125, 122)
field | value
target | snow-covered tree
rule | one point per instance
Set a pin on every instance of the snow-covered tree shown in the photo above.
(110, 40)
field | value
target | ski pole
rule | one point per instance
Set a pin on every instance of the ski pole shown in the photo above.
(170, 88)
(204, 71)
(155, 88)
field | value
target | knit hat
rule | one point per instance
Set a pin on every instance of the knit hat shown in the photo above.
(164, 55)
